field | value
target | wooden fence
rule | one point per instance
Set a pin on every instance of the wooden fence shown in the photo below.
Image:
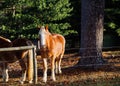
(33, 58)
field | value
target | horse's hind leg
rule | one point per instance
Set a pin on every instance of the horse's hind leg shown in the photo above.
(23, 66)
(58, 65)
(5, 72)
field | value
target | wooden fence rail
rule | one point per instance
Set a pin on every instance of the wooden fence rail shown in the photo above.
(33, 58)
(17, 48)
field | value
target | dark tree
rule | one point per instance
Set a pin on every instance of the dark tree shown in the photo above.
(92, 16)
(19, 18)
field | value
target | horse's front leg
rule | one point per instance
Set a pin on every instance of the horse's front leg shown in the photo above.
(53, 69)
(44, 70)
(5, 72)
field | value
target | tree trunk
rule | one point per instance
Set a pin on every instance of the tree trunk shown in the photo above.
(91, 32)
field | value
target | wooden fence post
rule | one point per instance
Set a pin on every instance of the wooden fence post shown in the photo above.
(34, 65)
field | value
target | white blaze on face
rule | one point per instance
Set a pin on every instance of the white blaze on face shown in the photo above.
(42, 36)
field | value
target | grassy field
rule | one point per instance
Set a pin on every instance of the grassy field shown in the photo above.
(108, 75)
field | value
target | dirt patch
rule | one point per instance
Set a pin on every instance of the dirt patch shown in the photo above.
(72, 75)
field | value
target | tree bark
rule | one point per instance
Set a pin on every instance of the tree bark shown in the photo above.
(92, 17)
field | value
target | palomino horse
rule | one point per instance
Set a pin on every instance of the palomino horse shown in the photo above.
(19, 55)
(51, 46)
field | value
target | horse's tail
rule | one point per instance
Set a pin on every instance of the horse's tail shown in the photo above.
(63, 47)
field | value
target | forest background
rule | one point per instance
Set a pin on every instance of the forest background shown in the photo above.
(20, 18)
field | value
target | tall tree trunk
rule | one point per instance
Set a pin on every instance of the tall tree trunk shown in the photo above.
(91, 32)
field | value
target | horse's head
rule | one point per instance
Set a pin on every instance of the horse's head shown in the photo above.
(42, 35)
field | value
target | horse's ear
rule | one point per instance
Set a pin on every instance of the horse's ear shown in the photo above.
(38, 27)
(46, 27)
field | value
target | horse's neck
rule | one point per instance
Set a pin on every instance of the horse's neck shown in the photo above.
(5, 39)
(50, 42)
(5, 42)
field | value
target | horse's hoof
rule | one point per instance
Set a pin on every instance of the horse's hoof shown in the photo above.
(44, 80)
(30, 82)
(60, 72)
(56, 72)
(54, 79)
(21, 82)
(5, 81)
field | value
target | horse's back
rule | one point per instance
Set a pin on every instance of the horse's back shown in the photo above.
(59, 38)
(21, 42)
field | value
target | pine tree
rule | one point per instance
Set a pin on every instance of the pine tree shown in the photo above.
(23, 17)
